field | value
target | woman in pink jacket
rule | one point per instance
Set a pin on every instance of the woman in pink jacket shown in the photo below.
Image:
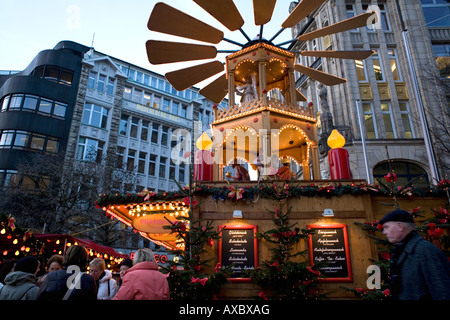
(143, 281)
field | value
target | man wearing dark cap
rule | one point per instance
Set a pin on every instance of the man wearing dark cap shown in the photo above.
(21, 283)
(419, 270)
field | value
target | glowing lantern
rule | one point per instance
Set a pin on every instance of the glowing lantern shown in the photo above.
(203, 168)
(338, 157)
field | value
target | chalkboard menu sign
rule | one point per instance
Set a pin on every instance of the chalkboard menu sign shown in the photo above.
(328, 247)
(238, 248)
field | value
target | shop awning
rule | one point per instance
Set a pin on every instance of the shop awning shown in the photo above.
(56, 242)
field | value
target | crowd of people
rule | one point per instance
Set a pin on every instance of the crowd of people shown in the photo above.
(65, 278)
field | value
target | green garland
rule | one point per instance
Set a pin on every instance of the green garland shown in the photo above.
(276, 191)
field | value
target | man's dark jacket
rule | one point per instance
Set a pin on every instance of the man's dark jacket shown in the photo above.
(55, 287)
(419, 270)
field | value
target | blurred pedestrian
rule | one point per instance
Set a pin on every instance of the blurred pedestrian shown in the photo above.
(106, 285)
(70, 283)
(123, 267)
(418, 269)
(21, 283)
(143, 281)
(6, 267)
(54, 263)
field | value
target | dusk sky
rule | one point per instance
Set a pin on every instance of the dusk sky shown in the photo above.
(28, 27)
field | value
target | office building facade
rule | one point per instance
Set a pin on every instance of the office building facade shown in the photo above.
(89, 106)
(388, 90)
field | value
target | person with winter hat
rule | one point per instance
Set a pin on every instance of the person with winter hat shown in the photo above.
(418, 269)
(106, 285)
(21, 283)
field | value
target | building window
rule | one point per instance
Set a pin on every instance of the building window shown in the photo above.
(37, 142)
(174, 109)
(369, 121)
(45, 106)
(28, 141)
(172, 171)
(16, 102)
(30, 103)
(52, 145)
(95, 115)
(147, 98)
(407, 173)
(146, 79)
(123, 125)
(394, 65)
(5, 103)
(59, 110)
(134, 127)
(166, 104)
(137, 97)
(142, 161)
(139, 76)
(156, 102)
(54, 73)
(90, 150)
(165, 136)
(442, 54)
(127, 93)
(154, 82)
(110, 86)
(101, 83)
(130, 159)
(6, 138)
(183, 111)
(162, 167)
(131, 74)
(181, 173)
(91, 81)
(377, 67)
(155, 132)
(406, 120)
(66, 77)
(9, 178)
(388, 121)
(152, 165)
(144, 130)
(51, 73)
(437, 13)
(120, 157)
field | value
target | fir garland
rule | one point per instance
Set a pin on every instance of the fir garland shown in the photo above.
(275, 190)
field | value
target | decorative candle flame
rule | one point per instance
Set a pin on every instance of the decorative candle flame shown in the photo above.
(336, 140)
(204, 142)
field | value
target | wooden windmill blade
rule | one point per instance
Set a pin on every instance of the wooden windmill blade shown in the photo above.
(224, 11)
(166, 19)
(301, 11)
(160, 52)
(185, 78)
(300, 96)
(263, 11)
(216, 90)
(354, 55)
(320, 76)
(345, 25)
